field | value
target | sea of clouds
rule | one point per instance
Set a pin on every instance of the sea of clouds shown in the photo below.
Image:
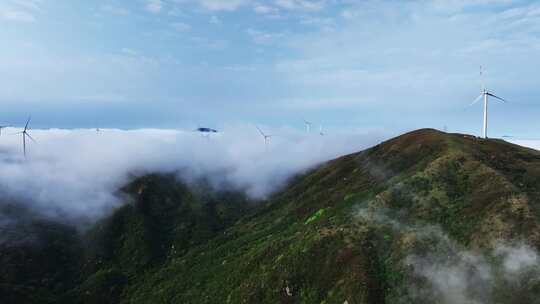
(76, 173)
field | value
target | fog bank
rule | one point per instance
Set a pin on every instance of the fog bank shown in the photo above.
(75, 173)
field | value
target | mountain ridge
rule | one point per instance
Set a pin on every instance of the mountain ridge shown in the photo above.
(363, 228)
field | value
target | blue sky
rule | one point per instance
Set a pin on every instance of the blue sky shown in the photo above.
(384, 65)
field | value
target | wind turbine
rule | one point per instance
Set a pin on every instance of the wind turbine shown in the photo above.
(321, 133)
(3, 127)
(265, 136)
(24, 134)
(485, 94)
(308, 125)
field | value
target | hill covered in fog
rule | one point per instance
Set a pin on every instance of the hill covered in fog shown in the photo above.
(426, 217)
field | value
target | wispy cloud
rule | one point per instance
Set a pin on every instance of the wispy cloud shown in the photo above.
(19, 10)
(215, 20)
(14, 15)
(223, 5)
(262, 37)
(217, 44)
(449, 271)
(453, 6)
(115, 10)
(129, 51)
(307, 5)
(181, 27)
(154, 6)
(265, 9)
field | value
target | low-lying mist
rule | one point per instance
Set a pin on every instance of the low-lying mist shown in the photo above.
(437, 267)
(76, 173)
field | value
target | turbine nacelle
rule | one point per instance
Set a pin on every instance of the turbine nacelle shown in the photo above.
(308, 125)
(206, 130)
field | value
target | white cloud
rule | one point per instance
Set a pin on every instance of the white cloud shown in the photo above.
(19, 10)
(261, 37)
(306, 5)
(218, 44)
(450, 272)
(323, 23)
(215, 20)
(32, 5)
(181, 27)
(129, 51)
(453, 6)
(154, 6)
(115, 10)
(15, 15)
(517, 258)
(223, 5)
(75, 173)
(264, 9)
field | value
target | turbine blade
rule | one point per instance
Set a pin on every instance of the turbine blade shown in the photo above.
(477, 99)
(260, 131)
(27, 122)
(497, 97)
(31, 138)
(482, 78)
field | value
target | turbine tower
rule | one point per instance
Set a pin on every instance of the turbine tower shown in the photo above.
(3, 127)
(25, 134)
(308, 125)
(485, 94)
(265, 136)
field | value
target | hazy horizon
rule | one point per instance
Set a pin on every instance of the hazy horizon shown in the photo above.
(367, 65)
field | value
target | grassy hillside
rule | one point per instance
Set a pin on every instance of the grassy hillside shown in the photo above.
(426, 217)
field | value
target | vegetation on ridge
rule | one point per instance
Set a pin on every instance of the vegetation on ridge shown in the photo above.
(364, 228)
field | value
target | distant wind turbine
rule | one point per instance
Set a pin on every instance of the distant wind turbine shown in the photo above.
(3, 127)
(308, 125)
(265, 136)
(25, 134)
(321, 133)
(485, 94)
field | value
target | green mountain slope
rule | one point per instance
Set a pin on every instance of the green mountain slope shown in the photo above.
(426, 217)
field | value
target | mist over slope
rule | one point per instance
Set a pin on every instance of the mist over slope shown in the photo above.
(77, 173)
(426, 217)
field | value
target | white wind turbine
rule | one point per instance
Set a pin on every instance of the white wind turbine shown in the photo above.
(485, 94)
(265, 136)
(25, 134)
